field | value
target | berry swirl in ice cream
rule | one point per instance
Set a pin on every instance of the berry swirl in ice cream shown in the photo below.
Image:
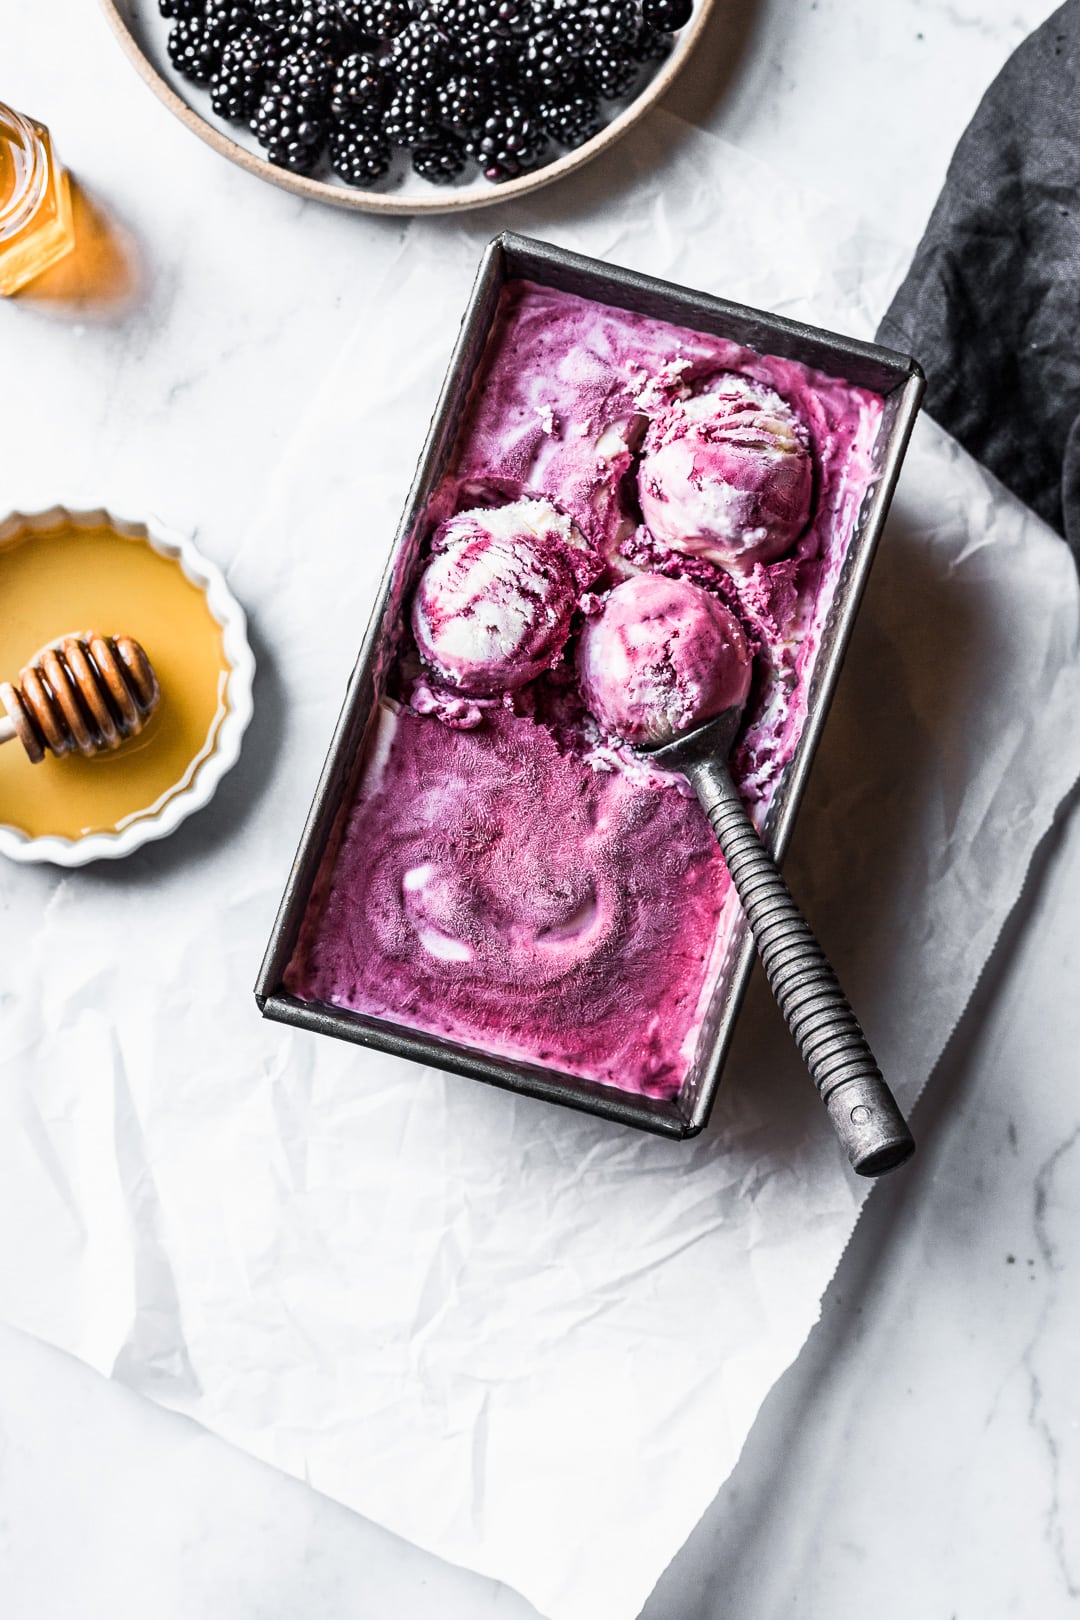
(727, 475)
(662, 656)
(494, 890)
(494, 604)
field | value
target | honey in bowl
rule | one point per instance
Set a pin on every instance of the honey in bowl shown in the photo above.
(61, 580)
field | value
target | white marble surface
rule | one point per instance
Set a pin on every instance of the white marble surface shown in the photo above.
(924, 1447)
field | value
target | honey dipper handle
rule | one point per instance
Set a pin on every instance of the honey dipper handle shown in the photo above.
(862, 1108)
(7, 729)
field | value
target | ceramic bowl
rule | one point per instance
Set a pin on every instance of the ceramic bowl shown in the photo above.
(228, 613)
(142, 33)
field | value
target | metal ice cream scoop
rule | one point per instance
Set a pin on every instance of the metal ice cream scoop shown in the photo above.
(834, 1048)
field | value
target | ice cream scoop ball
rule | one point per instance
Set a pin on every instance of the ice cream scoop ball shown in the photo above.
(661, 656)
(494, 604)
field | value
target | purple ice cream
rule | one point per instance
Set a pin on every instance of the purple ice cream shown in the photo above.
(493, 890)
(526, 886)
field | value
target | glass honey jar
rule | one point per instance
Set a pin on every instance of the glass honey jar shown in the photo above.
(35, 202)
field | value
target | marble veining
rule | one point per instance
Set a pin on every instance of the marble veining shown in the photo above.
(1056, 1181)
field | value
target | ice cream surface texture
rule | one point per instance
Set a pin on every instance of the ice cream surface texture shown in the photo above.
(494, 604)
(487, 885)
(727, 475)
(661, 657)
(505, 873)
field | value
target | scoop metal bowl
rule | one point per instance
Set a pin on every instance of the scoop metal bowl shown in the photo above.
(835, 1050)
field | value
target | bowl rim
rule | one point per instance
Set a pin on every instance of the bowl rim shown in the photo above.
(226, 611)
(481, 194)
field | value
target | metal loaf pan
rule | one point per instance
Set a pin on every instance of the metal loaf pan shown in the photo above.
(510, 257)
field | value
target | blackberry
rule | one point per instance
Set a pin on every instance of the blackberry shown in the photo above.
(284, 126)
(485, 35)
(573, 120)
(465, 100)
(308, 75)
(510, 141)
(510, 17)
(470, 20)
(361, 89)
(486, 53)
(440, 161)
(316, 24)
(359, 154)
(614, 22)
(666, 15)
(190, 52)
(274, 14)
(610, 69)
(569, 19)
(420, 56)
(238, 82)
(547, 63)
(651, 46)
(290, 117)
(380, 19)
(412, 118)
(223, 19)
(179, 8)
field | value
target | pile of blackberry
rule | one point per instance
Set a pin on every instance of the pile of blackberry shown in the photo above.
(496, 83)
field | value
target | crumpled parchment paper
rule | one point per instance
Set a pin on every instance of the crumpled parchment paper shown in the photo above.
(531, 1342)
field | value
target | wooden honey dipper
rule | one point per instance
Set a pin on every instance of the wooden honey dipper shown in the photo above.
(84, 691)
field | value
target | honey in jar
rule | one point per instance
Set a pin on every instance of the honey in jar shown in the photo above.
(65, 579)
(35, 202)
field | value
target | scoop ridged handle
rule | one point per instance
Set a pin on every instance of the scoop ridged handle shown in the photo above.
(829, 1037)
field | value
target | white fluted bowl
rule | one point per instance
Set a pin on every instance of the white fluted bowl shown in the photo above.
(226, 610)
